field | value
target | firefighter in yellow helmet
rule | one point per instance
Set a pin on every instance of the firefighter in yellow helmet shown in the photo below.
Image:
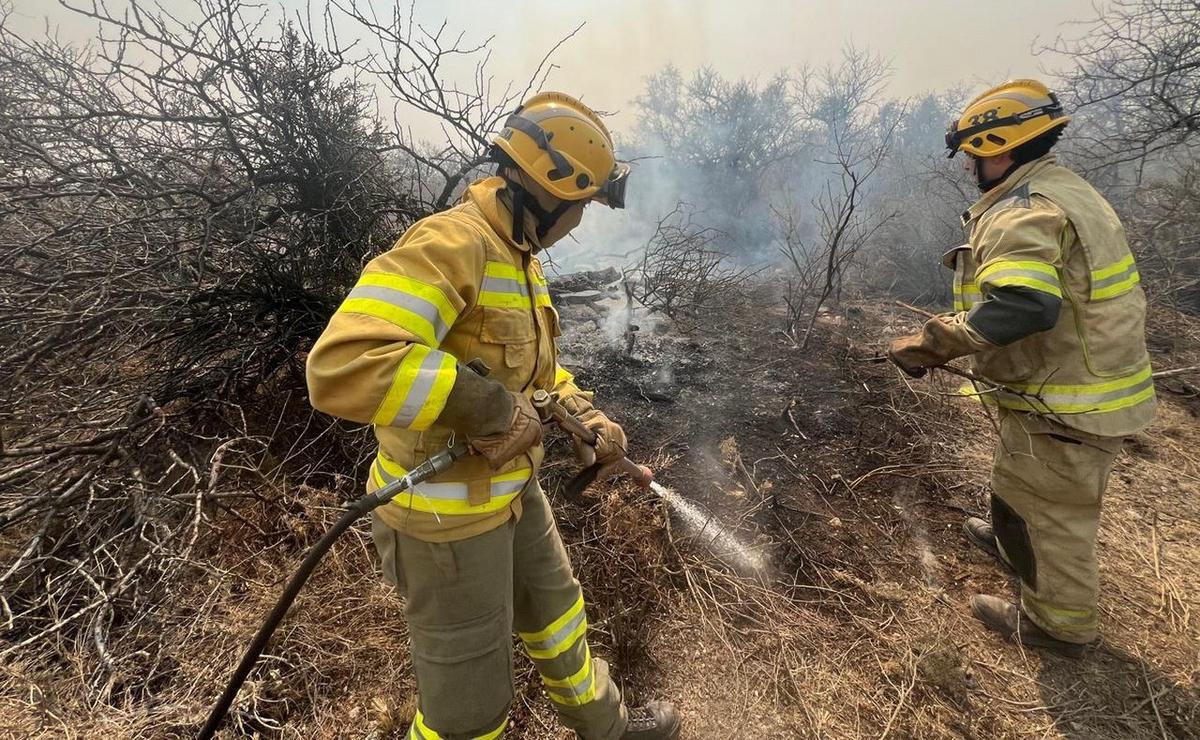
(476, 551)
(1048, 306)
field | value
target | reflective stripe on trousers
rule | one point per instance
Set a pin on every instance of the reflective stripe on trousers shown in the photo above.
(419, 731)
(563, 658)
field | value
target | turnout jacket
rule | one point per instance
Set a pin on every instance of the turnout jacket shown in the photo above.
(1050, 292)
(455, 287)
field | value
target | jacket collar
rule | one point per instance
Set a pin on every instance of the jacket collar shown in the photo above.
(485, 195)
(1020, 175)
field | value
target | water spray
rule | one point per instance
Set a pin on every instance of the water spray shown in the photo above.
(708, 530)
(713, 535)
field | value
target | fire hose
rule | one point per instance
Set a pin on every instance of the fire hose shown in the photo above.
(548, 409)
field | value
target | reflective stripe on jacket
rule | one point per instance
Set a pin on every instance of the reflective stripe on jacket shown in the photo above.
(454, 288)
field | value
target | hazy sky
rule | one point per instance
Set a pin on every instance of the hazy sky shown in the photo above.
(932, 44)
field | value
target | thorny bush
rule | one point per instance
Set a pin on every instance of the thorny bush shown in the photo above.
(175, 232)
(682, 274)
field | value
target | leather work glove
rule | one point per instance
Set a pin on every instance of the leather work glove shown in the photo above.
(498, 424)
(940, 340)
(611, 444)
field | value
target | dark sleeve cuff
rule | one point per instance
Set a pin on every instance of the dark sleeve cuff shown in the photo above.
(1011, 313)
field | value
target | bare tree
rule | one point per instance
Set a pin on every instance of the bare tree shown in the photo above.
(682, 274)
(412, 63)
(182, 206)
(841, 105)
(1163, 220)
(716, 142)
(1136, 72)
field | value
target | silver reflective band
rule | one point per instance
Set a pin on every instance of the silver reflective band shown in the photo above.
(408, 302)
(551, 643)
(418, 393)
(493, 284)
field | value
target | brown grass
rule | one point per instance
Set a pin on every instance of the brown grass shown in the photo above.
(859, 629)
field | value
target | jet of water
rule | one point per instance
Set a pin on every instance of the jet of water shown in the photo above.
(710, 532)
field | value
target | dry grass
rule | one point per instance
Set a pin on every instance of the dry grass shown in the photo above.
(858, 629)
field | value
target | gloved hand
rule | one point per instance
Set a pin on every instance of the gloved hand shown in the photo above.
(940, 340)
(611, 444)
(498, 424)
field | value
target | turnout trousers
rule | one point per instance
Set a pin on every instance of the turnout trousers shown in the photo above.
(463, 601)
(1048, 483)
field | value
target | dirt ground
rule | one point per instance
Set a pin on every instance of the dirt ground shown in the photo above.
(854, 482)
(847, 484)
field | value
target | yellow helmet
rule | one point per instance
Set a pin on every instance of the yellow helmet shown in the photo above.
(1005, 117)
(562, 144)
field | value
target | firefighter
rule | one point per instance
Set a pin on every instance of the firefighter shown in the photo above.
(476, 552)
(1049, 309)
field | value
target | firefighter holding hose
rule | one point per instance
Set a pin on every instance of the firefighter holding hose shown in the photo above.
(1048, 307)
(476, 551)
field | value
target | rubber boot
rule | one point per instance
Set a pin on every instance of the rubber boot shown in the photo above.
(979, 533)
(1001, 616)
(658, 720)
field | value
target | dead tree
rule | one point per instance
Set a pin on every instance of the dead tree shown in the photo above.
(719, 141)
(1135, 76)
(682, 274)
(841, 105)
(182, 206)
(413, 64)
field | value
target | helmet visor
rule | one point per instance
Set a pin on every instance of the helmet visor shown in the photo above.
(953, 139)
(612, 193)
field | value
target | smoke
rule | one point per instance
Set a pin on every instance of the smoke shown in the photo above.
(745, 155)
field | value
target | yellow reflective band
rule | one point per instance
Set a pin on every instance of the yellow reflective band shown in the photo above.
(562, 375)
(410, 304)
(576, 690)
(1116, 279)
(1116, 289)
(452, 497)
(1117, 268)
(1035, 275)
(541, 289)
(420, 731)
(504, 300)
(419, 389)
(560, 636)
(1063, 619)
(504, 286)
(503, 270)
(966, 296)
(1113, 395)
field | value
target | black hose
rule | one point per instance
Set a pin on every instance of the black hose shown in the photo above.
(438, 463)
(357, 509)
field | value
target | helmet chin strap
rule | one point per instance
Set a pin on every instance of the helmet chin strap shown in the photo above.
(985, 184)
(523, 200)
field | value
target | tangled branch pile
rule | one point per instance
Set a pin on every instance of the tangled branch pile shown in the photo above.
(175, 232)
(682, 273)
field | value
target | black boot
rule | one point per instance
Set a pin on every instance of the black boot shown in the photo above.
(1001, 616)
(658, 720)
(979, 533)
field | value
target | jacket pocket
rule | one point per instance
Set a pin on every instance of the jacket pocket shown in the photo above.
(511, 333)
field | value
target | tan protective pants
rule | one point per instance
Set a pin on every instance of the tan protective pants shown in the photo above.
(463, 601)
(1048, 482)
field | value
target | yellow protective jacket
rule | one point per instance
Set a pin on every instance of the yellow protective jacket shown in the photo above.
(1045, 229)
(454, 288)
